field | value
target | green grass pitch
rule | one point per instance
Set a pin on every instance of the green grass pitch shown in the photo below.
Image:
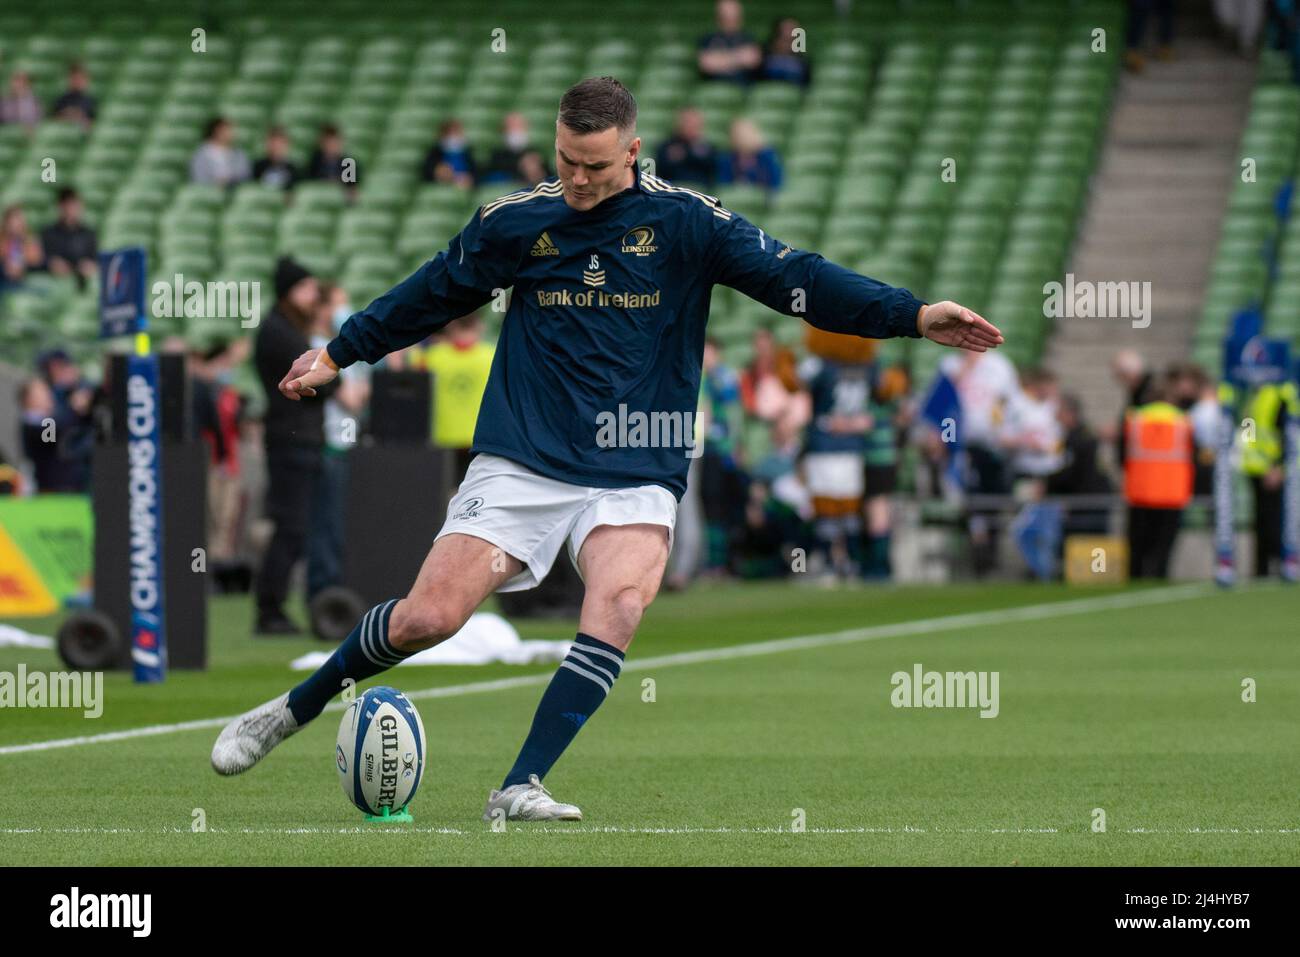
(1129, 701)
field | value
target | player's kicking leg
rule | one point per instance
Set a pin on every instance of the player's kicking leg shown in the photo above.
(458, 574)
(622, 566)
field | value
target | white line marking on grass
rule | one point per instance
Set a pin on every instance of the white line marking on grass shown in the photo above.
(924, 626)
(549, 829)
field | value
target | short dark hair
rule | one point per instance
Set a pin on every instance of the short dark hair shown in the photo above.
(597, 103)
(67, 194)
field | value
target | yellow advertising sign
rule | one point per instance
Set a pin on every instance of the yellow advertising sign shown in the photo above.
(22, 593)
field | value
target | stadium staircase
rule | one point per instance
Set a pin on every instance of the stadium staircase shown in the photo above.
(1157, 203)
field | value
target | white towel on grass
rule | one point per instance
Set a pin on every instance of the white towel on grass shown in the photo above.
(485, 639)
(16, 637)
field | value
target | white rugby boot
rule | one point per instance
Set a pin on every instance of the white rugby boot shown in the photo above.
(252, 735)
(529, 802)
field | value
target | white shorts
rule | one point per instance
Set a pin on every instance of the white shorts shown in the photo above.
(834, 474)
(530, 516)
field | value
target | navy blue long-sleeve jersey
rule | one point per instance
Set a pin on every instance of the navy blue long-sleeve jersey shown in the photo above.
(597, 372)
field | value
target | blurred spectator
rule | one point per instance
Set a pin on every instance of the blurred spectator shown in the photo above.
(218, 416)
(1080, 473)
(532, 168)
(1031, 432)
(294, 437)
(1240, 22)
(449, 160)
(507, 163)
(1156, 449)
(342, 425)
(76, 103)
(729, 53)
(275, 169)
(688, 542)
(687, 157)
(217, 161)
(70, 246)
(40, 430)
(986, 385)
(838, 377)
(1130, 372)
(777, 519)
(770, 393)
(67, 464)
(1139, 15)
(1262, 461)
(460, 362)
(1284, 31)
(1206, 418)
(749, 160)
(889, 416)
(722, 485)
(1033, 436)
(328, 162)
(20, 251)
(784, 58)
(19, 104)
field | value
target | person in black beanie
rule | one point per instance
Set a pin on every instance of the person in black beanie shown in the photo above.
(294, 438)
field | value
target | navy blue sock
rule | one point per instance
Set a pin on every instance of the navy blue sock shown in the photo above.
(363, 654)
(580, 684)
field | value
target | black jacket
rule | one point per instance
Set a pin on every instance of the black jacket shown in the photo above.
(1080, 475)
(302, 423)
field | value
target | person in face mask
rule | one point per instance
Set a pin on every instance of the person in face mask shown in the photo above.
(293, 435)
(516, 160)
(449, 159)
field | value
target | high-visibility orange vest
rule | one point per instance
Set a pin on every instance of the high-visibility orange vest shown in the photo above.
(1158, 466)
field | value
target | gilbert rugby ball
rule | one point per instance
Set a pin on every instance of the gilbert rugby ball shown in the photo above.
(380, 751)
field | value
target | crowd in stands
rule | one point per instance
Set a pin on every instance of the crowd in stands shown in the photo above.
(65, 247)
(802, 451)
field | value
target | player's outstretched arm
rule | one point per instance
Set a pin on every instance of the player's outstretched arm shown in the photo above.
(831, 297)
(477, 263)
(951, 324)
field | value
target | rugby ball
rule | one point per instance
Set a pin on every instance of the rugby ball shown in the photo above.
(380, 751)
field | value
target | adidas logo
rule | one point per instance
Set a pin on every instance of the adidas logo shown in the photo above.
(544, 247)
(573, 716)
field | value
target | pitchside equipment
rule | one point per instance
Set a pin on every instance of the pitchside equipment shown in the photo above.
(122, 312)
(147, 435)
(1249, 361)
(388, 525)
(380, 754)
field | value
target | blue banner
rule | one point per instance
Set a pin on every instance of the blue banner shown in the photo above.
(148, 641)
(121, 293)
(1256, 360)
(942, 410)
